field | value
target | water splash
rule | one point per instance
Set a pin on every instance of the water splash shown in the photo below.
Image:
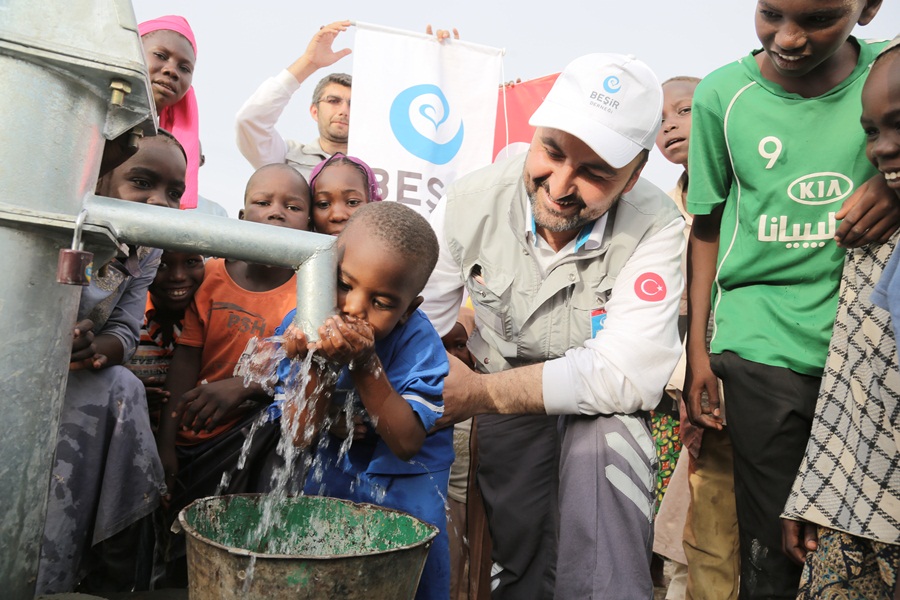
(259, 362)
(297, 465)
(247, 575)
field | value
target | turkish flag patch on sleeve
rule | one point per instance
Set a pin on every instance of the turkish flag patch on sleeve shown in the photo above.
(650, 287)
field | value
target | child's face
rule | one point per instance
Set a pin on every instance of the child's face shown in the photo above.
(340, 190)
(170, 61)
(277, 197)
(672, 139)
(176, 281)
(455, 344)
(881, 118)
(799, 36)
(375, 283)
(153, 175)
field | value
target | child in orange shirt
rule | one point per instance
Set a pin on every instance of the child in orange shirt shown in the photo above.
(201, 436)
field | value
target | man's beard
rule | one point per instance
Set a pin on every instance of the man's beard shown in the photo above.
(550, 221)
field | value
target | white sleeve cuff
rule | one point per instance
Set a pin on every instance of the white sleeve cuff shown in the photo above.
(287, 81)
(558, 389)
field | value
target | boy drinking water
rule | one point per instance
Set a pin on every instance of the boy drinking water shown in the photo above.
(775, 148)
(394, 365)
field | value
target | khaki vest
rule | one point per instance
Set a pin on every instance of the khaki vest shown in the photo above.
(524, 318)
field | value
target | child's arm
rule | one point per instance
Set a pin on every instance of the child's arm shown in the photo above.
(94, 352)
(703, 250)
(349, 341)
(126, 317)
(395, 421)
(183, 372)
(871, 214)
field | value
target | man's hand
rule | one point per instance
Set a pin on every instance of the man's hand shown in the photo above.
(319, 52)
(461, 398)
(871, 214)
(442, 34)
(798, 538)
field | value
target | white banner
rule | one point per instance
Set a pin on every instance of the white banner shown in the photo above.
(423, 112)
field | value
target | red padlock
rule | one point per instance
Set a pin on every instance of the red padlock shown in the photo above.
(75, 265)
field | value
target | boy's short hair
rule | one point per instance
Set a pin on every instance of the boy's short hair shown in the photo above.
(686, 78)
(279, 166)
(892, 47)
(339, 78)
(170, 137)
(404, 231)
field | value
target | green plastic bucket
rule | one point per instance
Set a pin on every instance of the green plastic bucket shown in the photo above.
(325, 548)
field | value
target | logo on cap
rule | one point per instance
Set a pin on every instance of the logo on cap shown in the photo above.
(417, 114)
(612, 84)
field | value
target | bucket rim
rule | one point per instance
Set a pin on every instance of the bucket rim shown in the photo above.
(190, 529)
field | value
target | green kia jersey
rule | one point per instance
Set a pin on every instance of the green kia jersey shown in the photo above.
(782, 165)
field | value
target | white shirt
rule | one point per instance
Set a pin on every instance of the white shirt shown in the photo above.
(257, 138)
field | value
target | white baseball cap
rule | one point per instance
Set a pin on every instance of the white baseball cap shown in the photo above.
(611, 102)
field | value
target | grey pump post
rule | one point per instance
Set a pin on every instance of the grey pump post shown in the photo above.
(73, 76)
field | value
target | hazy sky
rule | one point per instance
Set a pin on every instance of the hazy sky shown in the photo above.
(242, 43)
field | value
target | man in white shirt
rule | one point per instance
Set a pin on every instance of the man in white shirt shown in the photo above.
(257, 137)
(573, 266)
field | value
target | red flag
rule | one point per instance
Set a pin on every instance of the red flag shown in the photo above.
(522, 99)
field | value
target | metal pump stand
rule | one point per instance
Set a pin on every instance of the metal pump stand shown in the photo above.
(74, 76)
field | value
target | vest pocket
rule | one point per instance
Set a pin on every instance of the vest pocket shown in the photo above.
(489, 290)
(587, 316)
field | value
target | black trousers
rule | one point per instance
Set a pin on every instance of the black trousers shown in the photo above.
(518, 473)
(769, 412)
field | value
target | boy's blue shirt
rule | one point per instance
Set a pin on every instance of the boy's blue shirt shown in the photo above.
(415, 362)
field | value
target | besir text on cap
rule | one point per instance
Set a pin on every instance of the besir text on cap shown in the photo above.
(611, 102)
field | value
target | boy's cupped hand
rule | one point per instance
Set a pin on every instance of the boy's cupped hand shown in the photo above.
(295, 343)
(344, 339)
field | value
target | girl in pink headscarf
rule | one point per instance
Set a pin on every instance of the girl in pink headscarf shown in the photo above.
(340, 184)
(170, 51)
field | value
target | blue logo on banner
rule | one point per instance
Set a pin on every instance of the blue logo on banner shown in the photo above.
(611, 84)
(415, 142)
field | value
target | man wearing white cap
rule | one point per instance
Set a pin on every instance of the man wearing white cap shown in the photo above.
(573, 266)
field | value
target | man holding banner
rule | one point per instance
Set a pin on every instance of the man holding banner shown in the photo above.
(573, 266)
(257, 138)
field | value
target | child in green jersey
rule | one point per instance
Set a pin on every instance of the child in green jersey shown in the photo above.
(776, 161)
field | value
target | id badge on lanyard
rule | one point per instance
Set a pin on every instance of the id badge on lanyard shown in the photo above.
(598, 320)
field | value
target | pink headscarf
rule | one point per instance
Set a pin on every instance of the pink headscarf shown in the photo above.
(371, 182)
(183, 118)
